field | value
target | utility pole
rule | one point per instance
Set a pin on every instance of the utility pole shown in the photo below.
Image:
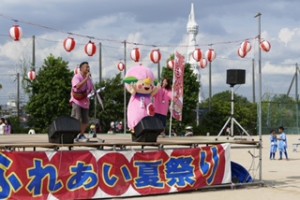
(258, 16)
(33, 52)
(125, 113)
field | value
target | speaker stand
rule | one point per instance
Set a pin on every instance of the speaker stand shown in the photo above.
(232, 120)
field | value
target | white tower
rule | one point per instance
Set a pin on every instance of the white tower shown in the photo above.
(192, 29)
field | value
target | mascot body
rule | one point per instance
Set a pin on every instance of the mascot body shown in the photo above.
(140, 84)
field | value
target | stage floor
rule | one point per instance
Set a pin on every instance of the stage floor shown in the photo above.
(120, 142)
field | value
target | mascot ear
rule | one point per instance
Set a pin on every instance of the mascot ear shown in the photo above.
(130, 80)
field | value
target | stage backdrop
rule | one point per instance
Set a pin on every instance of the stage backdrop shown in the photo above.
(99, 174)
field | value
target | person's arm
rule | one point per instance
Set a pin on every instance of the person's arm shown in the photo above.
(83, 82)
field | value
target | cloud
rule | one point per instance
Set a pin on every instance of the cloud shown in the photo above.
(285, 35)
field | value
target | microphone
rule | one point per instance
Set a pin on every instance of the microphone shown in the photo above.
(100, 89)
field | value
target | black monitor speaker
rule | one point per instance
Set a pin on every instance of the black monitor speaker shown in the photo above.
(147, 130)
(236, 76)
(64, 130)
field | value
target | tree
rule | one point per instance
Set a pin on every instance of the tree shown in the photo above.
(113, 97)
(280, 110)
(244, 112)
(50, 93)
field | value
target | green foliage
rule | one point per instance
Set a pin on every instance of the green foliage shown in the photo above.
(244, 112)
(113, 97)
(50, 93)
(281, 110)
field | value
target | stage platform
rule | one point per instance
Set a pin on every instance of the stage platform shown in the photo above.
(37, 142)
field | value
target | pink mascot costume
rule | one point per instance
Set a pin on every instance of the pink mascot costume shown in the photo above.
(140, 84)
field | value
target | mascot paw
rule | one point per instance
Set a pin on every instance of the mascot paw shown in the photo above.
(150, 110)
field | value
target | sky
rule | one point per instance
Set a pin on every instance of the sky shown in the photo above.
(149, 24)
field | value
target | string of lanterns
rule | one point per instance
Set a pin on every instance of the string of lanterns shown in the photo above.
(90, 49)
(245, 47)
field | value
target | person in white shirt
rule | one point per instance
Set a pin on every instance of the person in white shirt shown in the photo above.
(2, 126)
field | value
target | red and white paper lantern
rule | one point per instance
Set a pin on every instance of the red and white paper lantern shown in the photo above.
(210, 55)
(15, 32)
(135, 54)
(121, 66)
(31, 75)
(90, 48)
(265, 45)
(69, 44)
(203, 63)
(241, 53)
(77, 70)
(197, 54)
(155, 56)
(171, 64)
(245, 47)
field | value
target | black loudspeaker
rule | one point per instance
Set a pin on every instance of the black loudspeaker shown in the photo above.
(147, 130)
(235, 76)
(64, 130)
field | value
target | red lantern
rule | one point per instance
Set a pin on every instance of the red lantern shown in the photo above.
(135, 54)
(171, 64)
(15, 32)
(121, 66)
(265, 45)
(197, 54)
(77, 70)
(90, 48)
(203, 63)
(210, 55)
(31, 75)
(69, 44)
(246, 47)
(241, 53)
(155, 56)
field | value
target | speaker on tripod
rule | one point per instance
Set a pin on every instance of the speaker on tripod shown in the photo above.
(234, 76)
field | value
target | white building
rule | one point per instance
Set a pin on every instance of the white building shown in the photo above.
(192, 30)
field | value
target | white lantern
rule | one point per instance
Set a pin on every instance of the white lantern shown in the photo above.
(203, 63)
(155, 56)
(69, 44)
(15, 32)
(265, 45)
(171, 64)
(31, 75)
(121, 66)
(135, 54)
(210, 55)
(197, 54)
(90, 48)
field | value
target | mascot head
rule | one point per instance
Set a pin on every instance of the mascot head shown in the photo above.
(139, 79)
